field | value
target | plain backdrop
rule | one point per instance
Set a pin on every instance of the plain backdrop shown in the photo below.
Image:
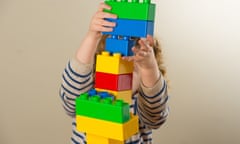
(201, 44)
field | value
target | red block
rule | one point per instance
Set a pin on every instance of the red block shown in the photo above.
(113, 81)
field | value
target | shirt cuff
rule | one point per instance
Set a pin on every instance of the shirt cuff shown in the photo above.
(152, 91)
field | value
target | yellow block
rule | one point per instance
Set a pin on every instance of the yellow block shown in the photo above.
(94, 139)
(113, 64)
(126, 96)
(108, 129)
(111, 141)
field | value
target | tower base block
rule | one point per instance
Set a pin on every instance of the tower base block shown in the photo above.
(111, 130)
(95, 139)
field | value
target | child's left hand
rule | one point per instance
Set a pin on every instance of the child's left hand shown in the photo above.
(144, 55)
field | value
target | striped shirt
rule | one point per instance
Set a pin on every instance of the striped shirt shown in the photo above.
(150, 104)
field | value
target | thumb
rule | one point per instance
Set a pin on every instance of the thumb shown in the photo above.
(150, 40)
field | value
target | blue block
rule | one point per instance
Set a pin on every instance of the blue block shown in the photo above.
(105, 95)
(102, 95)
(132, 28)
(123, 46)
(92, 92)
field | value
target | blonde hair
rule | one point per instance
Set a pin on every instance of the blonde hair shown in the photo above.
(156, 48)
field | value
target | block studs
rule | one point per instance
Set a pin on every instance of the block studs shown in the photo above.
(117, 55)
(135, 1)
(147, 1)
(105, 53)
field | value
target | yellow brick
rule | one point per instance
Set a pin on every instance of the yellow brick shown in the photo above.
(94, 139)
(111, 141)
(108, 129)
(124, 95)
(113, 64)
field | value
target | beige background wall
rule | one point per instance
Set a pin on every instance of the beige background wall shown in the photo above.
(201, 41)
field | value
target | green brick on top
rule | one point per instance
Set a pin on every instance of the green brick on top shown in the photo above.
(104, 109)
(134, 10)
(135, 1)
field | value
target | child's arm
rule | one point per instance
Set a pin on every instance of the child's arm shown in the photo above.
(77, 76)
(152, 105)
(86, 52)
(153, 95)
(152, 101)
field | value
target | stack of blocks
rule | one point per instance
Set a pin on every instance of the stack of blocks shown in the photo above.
(103, 113)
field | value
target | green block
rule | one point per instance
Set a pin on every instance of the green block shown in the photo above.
(132, 10)
(104, 109)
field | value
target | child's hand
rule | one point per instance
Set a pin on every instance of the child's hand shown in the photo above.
(144, 55)
(145, 61)
(99, 24)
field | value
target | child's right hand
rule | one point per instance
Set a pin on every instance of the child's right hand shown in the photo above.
(86, 52)
(99, 24)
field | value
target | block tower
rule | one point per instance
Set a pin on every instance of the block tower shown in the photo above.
(103, 112)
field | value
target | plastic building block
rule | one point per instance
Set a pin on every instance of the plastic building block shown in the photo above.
(105, 95)
(115, 82)
(113, 64)
(112, 141)
(123, 46)
(92, 92)
(126, 95)
(108, 129)
(95, 139)
(133, 10)
(105, 109)
(134, 28)
(102, 94)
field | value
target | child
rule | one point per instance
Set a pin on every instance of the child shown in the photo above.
(149, 99)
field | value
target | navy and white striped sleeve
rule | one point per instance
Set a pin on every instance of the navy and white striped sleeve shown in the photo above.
(76, 79)
(152, 105)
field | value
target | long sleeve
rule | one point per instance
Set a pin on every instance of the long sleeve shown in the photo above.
(152, 104)
(76, 79)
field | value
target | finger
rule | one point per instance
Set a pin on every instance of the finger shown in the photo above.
(96, 26)
(150, 40)
(135, 51)
(128, 58)
(143, 53)
(140, 54)
(103, 15)
(144, 45)
(106, 23)
(105, 29)
(106, 15)
(103, 6)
